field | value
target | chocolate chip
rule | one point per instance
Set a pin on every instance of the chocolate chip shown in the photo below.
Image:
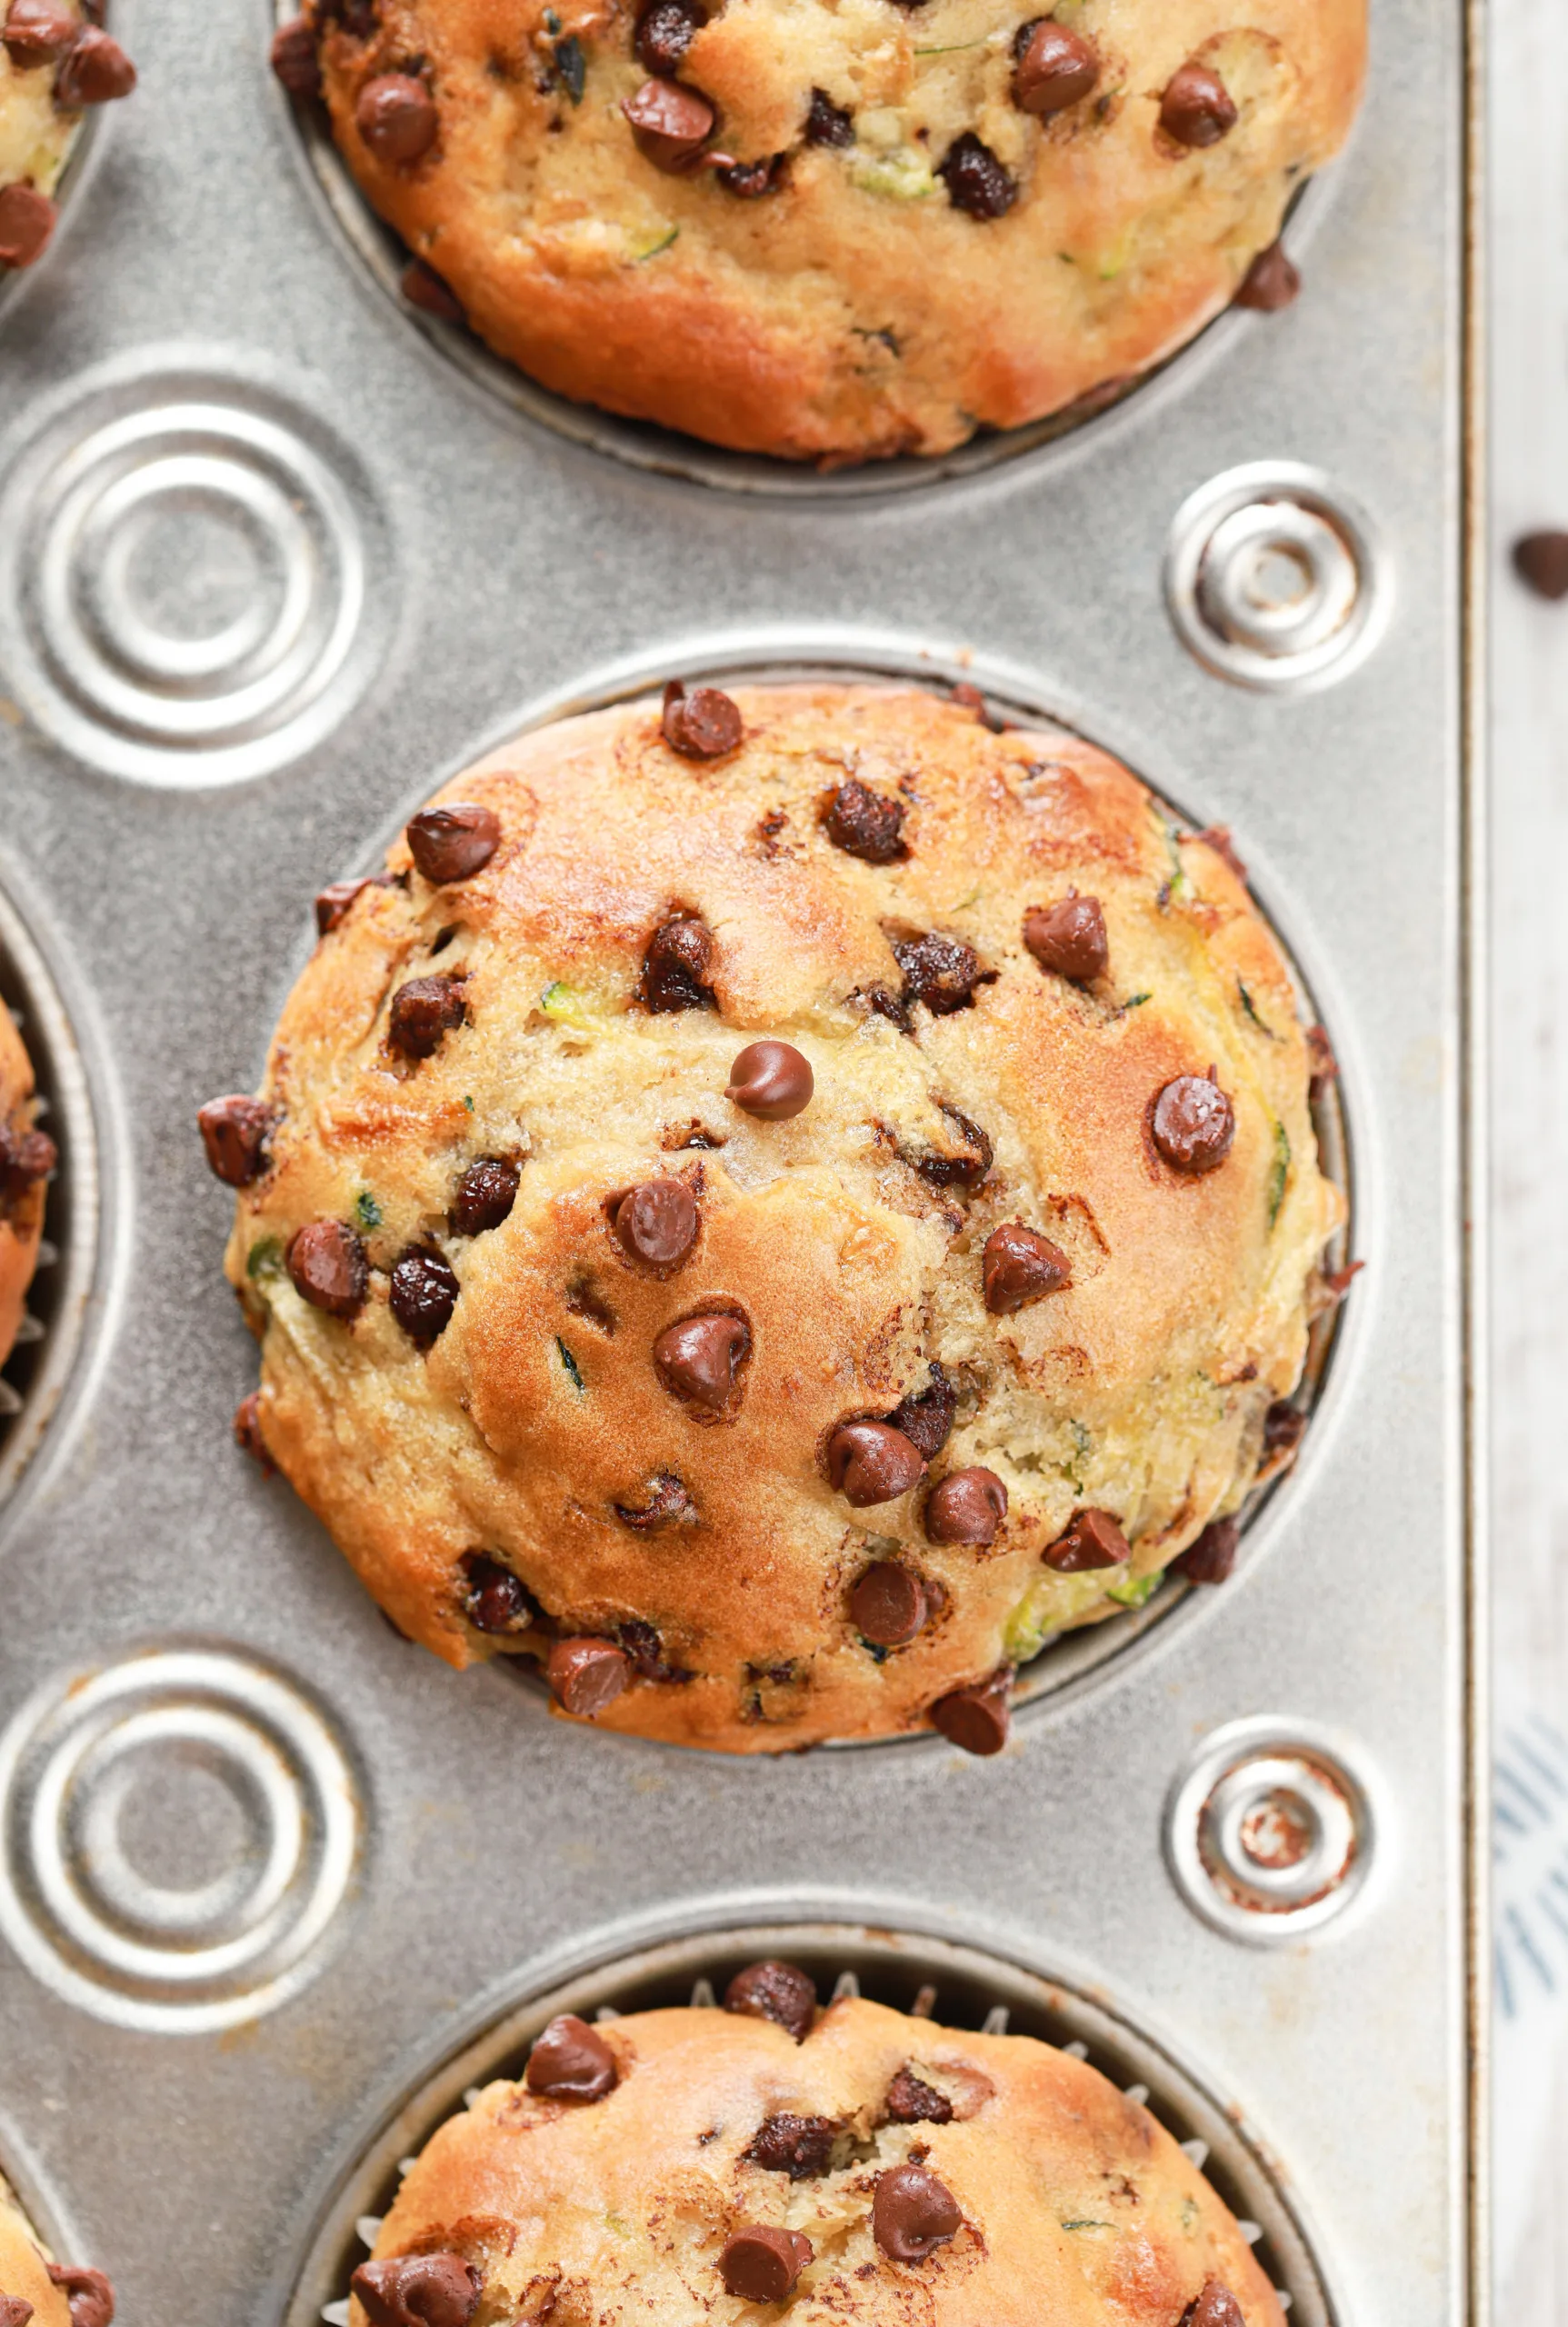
(333, 901)
(668, 1505)
(494, 1599)
(1019, 1265)
(423, 1295)
(236, 1133)
(1193, 1125)
(870, 1462)
(395, 116)
(940, 972)
(1283, 1425)
(418, 2290)
(1211, 1558)
(865, 824)
(926, 1416)
(798, 2146)
(424, 1011)
(36, 31)
(966, 1507)
(1215, 2306)
(1069, 937)
(485, 1195)
(1091, 1539)
(913, 2214)
(965, 1170)
(16, 2310)
(94, 71)
(774, 1990)
(25, 1158)
(676, 967)
(827, 124)
(586, 1675)
(89, 2296)
(1197, 108)
(699, 1358)
(976, 1718)
(656, 1222)
(454, 842)
(294, 57)
(664, 32)
(430, 292)
(1540, 560)
(670, 122)
(748, 180)
(705, 724)
(772, 1081)
(1321, 1059)
(911, 2102)
(1272, 282)
(1056, 68)
(27, 223)
(975, 180)
(887, 1604)
(762, 2265)
(248, 1433)
(327, 1262)
(646, 1651)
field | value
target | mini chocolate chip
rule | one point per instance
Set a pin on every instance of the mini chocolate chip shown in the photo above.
(1069, 937)
(762, 2265)
(698, 1359)
(27, 223)
(772, 1081)
(772, 1991)
(664, 32)
(966, 1507)
(870, 1462)
(976, 1718)
(294, 57)
(1283, 1425)
(25, 1158)
(887, 1604)
(646, 1650)
(395, 116)
(1213, 2306)
(926, 1416)
(676, 967)
(827, 124)
(865, 824)
(89, 2297)
(1540, 560)
(656, 1222)
(586, 1675)
(453, 841)
(94, 71)
(1056, 68)
(965, 1170)
(798, 2146)
(1211, 1558)
(418, 2290)
(333, 901)
(1272, 282)
(326, 1263)
(248, 1433)
(236, 1133)
(668, 1505)
(911, 2102)
(940, 972)
(430, 292)
(701, 725)
(975, 180)
(1019, 1265)
(913, 2214)
(1197, 109)
(494, 1599)
(36, 31)
(1193, 1125)
(670, 122)
(423, 1295)
(424, 1011)
(1091, 1539)
(485, 1195)
(16, 2310)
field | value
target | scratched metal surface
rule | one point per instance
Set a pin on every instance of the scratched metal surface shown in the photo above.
(261, 1863)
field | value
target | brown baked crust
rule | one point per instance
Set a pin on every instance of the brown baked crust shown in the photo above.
(21, 1216)
(1141, 1388)
(24, 2267)
(589, 2213)
(829, 320)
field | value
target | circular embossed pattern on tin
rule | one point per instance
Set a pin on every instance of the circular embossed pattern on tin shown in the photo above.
(185, 578)
(180, 1829)
(956, 1986)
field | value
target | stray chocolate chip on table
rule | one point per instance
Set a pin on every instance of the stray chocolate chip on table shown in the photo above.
(976, 1718)
(701, 725)
(798, 2146)
(396, 118)
(294, 57)
(1197, 109)
(485, 1195)
(326, 1263)
(94, 71)
(26, 222)
(670, 122)
(772, 1081)
(865, 824)
(1091, 1539)
(1069, 937)
(1056, 68)
(1019, 1265)
(698, 1359)
(418, 2290)
(911, 2102)
(1541, 562)
(656, 1222)
(236, 1131)
(759, 2265)
(423, 1295)
(966, 1507)
(571, 2062)
(89, 2297)
(37, 32)
(1273, 281)
(887, 1603)
(424, 1011)
(913, 2214)
(453, 841)
(775, 1991)
(1193, 1125)
(870, 1462)
(1211, 1559)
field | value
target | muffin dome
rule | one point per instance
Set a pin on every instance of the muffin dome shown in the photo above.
(833, 231)
(688, 2164)
(777, 1234)
(55, 60)
(28, 1157)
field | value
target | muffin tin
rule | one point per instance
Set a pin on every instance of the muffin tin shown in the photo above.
(260, 1861)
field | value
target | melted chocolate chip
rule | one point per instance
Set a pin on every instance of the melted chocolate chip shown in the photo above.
(676, 967)
(586, 1675)
(762, 2265)
(26, 1157)
(705, 724)
(16, 2310)
(327, 1262)
(772, 1991)
(26, 222)
(827, 124)
(424, 1011)
(396, 118)
(1056, 68)
(965, 1170)
(670, 122)
(798, 2146)
(966, 1507)
(1069, 937)
(333, 902)
(1193, 1125)
(418, 2290)
(37, 32)
(656, 1222)
(940, 972)
(494, 1599)
(1215, 2306)
(248, 1433)
(887, 1604)
(646, 1651)
(749, 181)
(1540, 560)
(89, 2297)
(485, 1195)
(911, 2102)
(975, 180)
(1019, 1265)
(1272, 282)
(236, 1133)
(294, 58)
(454, 842)
(870, 1462)
(926, 1416)
(668, 1505)
(1218, 838)
(1091, 1539)
(1197, 108)
(430, 292)
(699, 1359)
(664, 32)
(423, 1295)
(1211, 1558)
(772, 1081)
(571, 2062)
(913, 2214)
(94, 71)
(865, 824)
(1283, 1425)
(976, 1718)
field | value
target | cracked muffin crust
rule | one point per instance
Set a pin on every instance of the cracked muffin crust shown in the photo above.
(879, 2168)
(55, 60)
(28, 1157)
(33, 2289)
(702, 1236)
(832, 233)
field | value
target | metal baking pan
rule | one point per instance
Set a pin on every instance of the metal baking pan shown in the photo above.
(274, 560)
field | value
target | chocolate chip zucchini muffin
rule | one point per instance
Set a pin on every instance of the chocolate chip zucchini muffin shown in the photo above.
(28, 1157)
(848, 2164)
(55, 60)
(775, 1206)
(834, 233)
(33, 2288)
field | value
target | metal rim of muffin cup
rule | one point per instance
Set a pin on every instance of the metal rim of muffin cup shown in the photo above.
(926, 1975)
